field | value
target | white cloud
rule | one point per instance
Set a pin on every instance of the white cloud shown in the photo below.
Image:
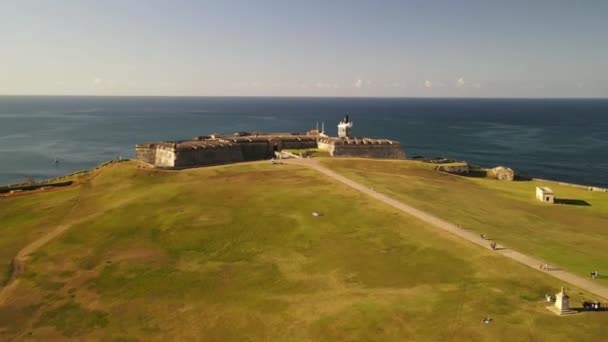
(100, 82)
(327, 85)
(580, 85)
(60, 83)
(477, 85)
(460, 83)
(428, 84)
(358, 83)
(240, 84)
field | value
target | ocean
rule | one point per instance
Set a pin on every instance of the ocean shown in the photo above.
(560, 139)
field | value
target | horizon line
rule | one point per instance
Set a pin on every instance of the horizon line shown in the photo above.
(319, 96)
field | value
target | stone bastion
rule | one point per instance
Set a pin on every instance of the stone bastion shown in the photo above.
(224, 149)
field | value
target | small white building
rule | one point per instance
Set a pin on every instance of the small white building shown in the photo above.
(545, 194)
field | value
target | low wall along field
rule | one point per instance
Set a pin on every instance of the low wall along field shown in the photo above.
(385, 151)
(208, 156)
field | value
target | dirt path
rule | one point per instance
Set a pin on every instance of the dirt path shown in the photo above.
(583, 283)
(20, 260)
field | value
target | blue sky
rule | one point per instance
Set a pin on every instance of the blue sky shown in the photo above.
(305, 48)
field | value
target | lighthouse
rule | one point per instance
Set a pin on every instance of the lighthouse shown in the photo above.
(345, 127)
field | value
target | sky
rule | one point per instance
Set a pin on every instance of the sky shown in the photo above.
(487, 48)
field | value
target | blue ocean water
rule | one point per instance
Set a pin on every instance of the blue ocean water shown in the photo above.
(562, 139)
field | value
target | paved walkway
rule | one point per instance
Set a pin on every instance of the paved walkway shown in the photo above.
(583, 283)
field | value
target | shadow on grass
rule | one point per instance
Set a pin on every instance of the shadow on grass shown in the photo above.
(476, 174)
(569, 201)
(589, 309)
(6, 278)
(520, 178)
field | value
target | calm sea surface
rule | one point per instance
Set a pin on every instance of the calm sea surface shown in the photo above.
(562, 139)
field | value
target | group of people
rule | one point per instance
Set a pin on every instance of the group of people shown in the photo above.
(544, 267)
(492, 244)
(592, 306)
(595, 274)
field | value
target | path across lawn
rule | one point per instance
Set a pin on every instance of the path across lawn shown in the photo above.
(534, 263)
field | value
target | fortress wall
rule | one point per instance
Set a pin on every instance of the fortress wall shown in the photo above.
(299, 144)
(385, 151)
(165, 157)
(146, 153)
(213, 150)
(209, 156)
(256, 150)
(327, 147)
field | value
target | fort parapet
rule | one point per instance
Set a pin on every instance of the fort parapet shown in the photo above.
(243, 146)
(362, 147)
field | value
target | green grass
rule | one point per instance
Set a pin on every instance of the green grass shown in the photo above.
(314, 152)
(233, 253)
(571, 236)
(23, 218)
(71, 319)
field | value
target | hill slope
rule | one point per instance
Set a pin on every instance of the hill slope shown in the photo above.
(233, 253)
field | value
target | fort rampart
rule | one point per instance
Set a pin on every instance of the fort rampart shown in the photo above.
(223, 149)
(214, 150)
(365, 148)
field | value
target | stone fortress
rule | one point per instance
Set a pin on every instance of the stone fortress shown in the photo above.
(245, 146)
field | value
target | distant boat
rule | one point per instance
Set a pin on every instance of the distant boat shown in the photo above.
(56, 161)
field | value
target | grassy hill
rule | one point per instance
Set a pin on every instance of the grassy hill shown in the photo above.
(233, 253)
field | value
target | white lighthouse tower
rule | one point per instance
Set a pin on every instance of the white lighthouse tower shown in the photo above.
(345, 127)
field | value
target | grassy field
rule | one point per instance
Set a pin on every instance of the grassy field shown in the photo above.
(573, 235)
(25, 218)
(313, 152)
(233, 253)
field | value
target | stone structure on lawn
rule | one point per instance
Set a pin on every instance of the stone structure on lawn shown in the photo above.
(503, 173)
(545, 194)
(457, 168)
(562, 304)
(245, 146)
